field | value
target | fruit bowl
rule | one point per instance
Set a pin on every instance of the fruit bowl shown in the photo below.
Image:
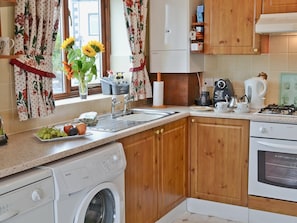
(62, 132)
(63, 138)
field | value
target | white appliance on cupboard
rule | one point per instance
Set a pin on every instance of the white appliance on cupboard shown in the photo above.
(27, 197)
(170, 26)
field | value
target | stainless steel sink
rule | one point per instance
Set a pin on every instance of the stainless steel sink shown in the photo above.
(120, 121)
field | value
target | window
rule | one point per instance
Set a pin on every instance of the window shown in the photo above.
(85, 20)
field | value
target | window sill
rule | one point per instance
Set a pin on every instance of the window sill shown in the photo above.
(76, 100)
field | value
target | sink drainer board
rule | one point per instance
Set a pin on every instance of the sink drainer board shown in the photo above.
(108, 124)
(288, 89)
(112, 125)
(140, 117)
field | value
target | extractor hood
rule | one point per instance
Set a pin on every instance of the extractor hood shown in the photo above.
(277, 23)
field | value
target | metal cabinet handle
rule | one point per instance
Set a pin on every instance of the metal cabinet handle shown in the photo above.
(159, 131)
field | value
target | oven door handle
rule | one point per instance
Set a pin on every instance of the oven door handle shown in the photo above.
(278, 146)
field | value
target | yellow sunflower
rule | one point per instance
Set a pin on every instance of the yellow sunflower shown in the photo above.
(88, 51)
(97, 46)
(69, 42)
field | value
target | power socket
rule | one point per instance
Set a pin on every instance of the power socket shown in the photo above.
(208, 82)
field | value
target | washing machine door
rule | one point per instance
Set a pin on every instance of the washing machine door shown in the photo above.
(100, 205)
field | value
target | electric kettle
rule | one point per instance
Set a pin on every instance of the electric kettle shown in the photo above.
(255, 90)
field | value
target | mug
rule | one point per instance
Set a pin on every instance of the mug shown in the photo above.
(222, 106)
(6, 44)
(243, 107)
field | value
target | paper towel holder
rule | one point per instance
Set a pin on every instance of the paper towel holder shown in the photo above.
(158, 92)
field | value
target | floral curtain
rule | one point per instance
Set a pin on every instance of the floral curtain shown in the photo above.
(135, 14)
(36, 25)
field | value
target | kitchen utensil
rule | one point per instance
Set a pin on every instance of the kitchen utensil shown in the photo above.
(242, 107)
(233, 102)
(223, 88)
(221, 106)
(201, 108)
(204, 99)
(255, 89)
(244, 98)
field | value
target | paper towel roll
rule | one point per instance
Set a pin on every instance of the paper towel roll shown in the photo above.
(158, 93)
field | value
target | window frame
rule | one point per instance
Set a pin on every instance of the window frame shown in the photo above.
(72, 91)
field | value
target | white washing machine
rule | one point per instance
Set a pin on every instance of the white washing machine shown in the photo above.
(89, 187)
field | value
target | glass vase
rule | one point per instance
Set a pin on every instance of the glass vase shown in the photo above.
(83, 89)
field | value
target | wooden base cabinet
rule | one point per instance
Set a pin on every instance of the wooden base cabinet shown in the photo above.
(219, 159)
(155, 176)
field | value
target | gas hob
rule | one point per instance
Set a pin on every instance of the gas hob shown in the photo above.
(283, 110)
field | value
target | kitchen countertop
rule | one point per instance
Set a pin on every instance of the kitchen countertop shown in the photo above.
(24, 151)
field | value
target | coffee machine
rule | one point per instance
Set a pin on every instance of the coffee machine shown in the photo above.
(223, 90)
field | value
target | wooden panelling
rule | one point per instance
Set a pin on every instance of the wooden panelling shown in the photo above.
(179, 89)
(272, 205)
(279, 6)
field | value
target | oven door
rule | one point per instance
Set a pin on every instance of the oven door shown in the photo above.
(273, 168)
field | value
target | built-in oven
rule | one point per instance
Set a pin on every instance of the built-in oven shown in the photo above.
(273, 160)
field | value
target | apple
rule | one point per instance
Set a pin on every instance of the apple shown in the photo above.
(67, 128)
(82, 128)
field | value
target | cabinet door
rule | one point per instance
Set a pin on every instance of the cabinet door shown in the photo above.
(229, 26)
(172, 163)
(5, 3)
(141, 178)
(168, 25)
(219, 159)
(169, 61)
(279, 6)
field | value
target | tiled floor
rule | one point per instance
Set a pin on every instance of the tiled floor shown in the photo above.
(197, 218)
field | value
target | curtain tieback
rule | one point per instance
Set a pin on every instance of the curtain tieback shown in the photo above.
(140, 68)
(31, 69)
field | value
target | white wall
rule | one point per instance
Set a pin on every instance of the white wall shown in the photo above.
(120, 51)
(282, 58)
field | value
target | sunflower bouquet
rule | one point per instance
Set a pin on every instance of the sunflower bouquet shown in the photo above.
(81, 63)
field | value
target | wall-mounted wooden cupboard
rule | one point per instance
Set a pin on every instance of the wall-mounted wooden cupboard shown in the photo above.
(279, 6)
(230, 27)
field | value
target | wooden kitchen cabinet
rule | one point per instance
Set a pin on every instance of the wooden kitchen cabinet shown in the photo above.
(141, 177)
(155, 176)
(229, 27)
(219, 159)
(5, 3)
(172, 152)
(279, 6)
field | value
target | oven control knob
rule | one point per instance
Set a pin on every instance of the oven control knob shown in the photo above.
(262, 129)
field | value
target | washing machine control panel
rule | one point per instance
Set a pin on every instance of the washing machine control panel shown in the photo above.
(92, 167)
(112, 162)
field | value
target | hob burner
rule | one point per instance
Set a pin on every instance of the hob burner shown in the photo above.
(279, 109)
